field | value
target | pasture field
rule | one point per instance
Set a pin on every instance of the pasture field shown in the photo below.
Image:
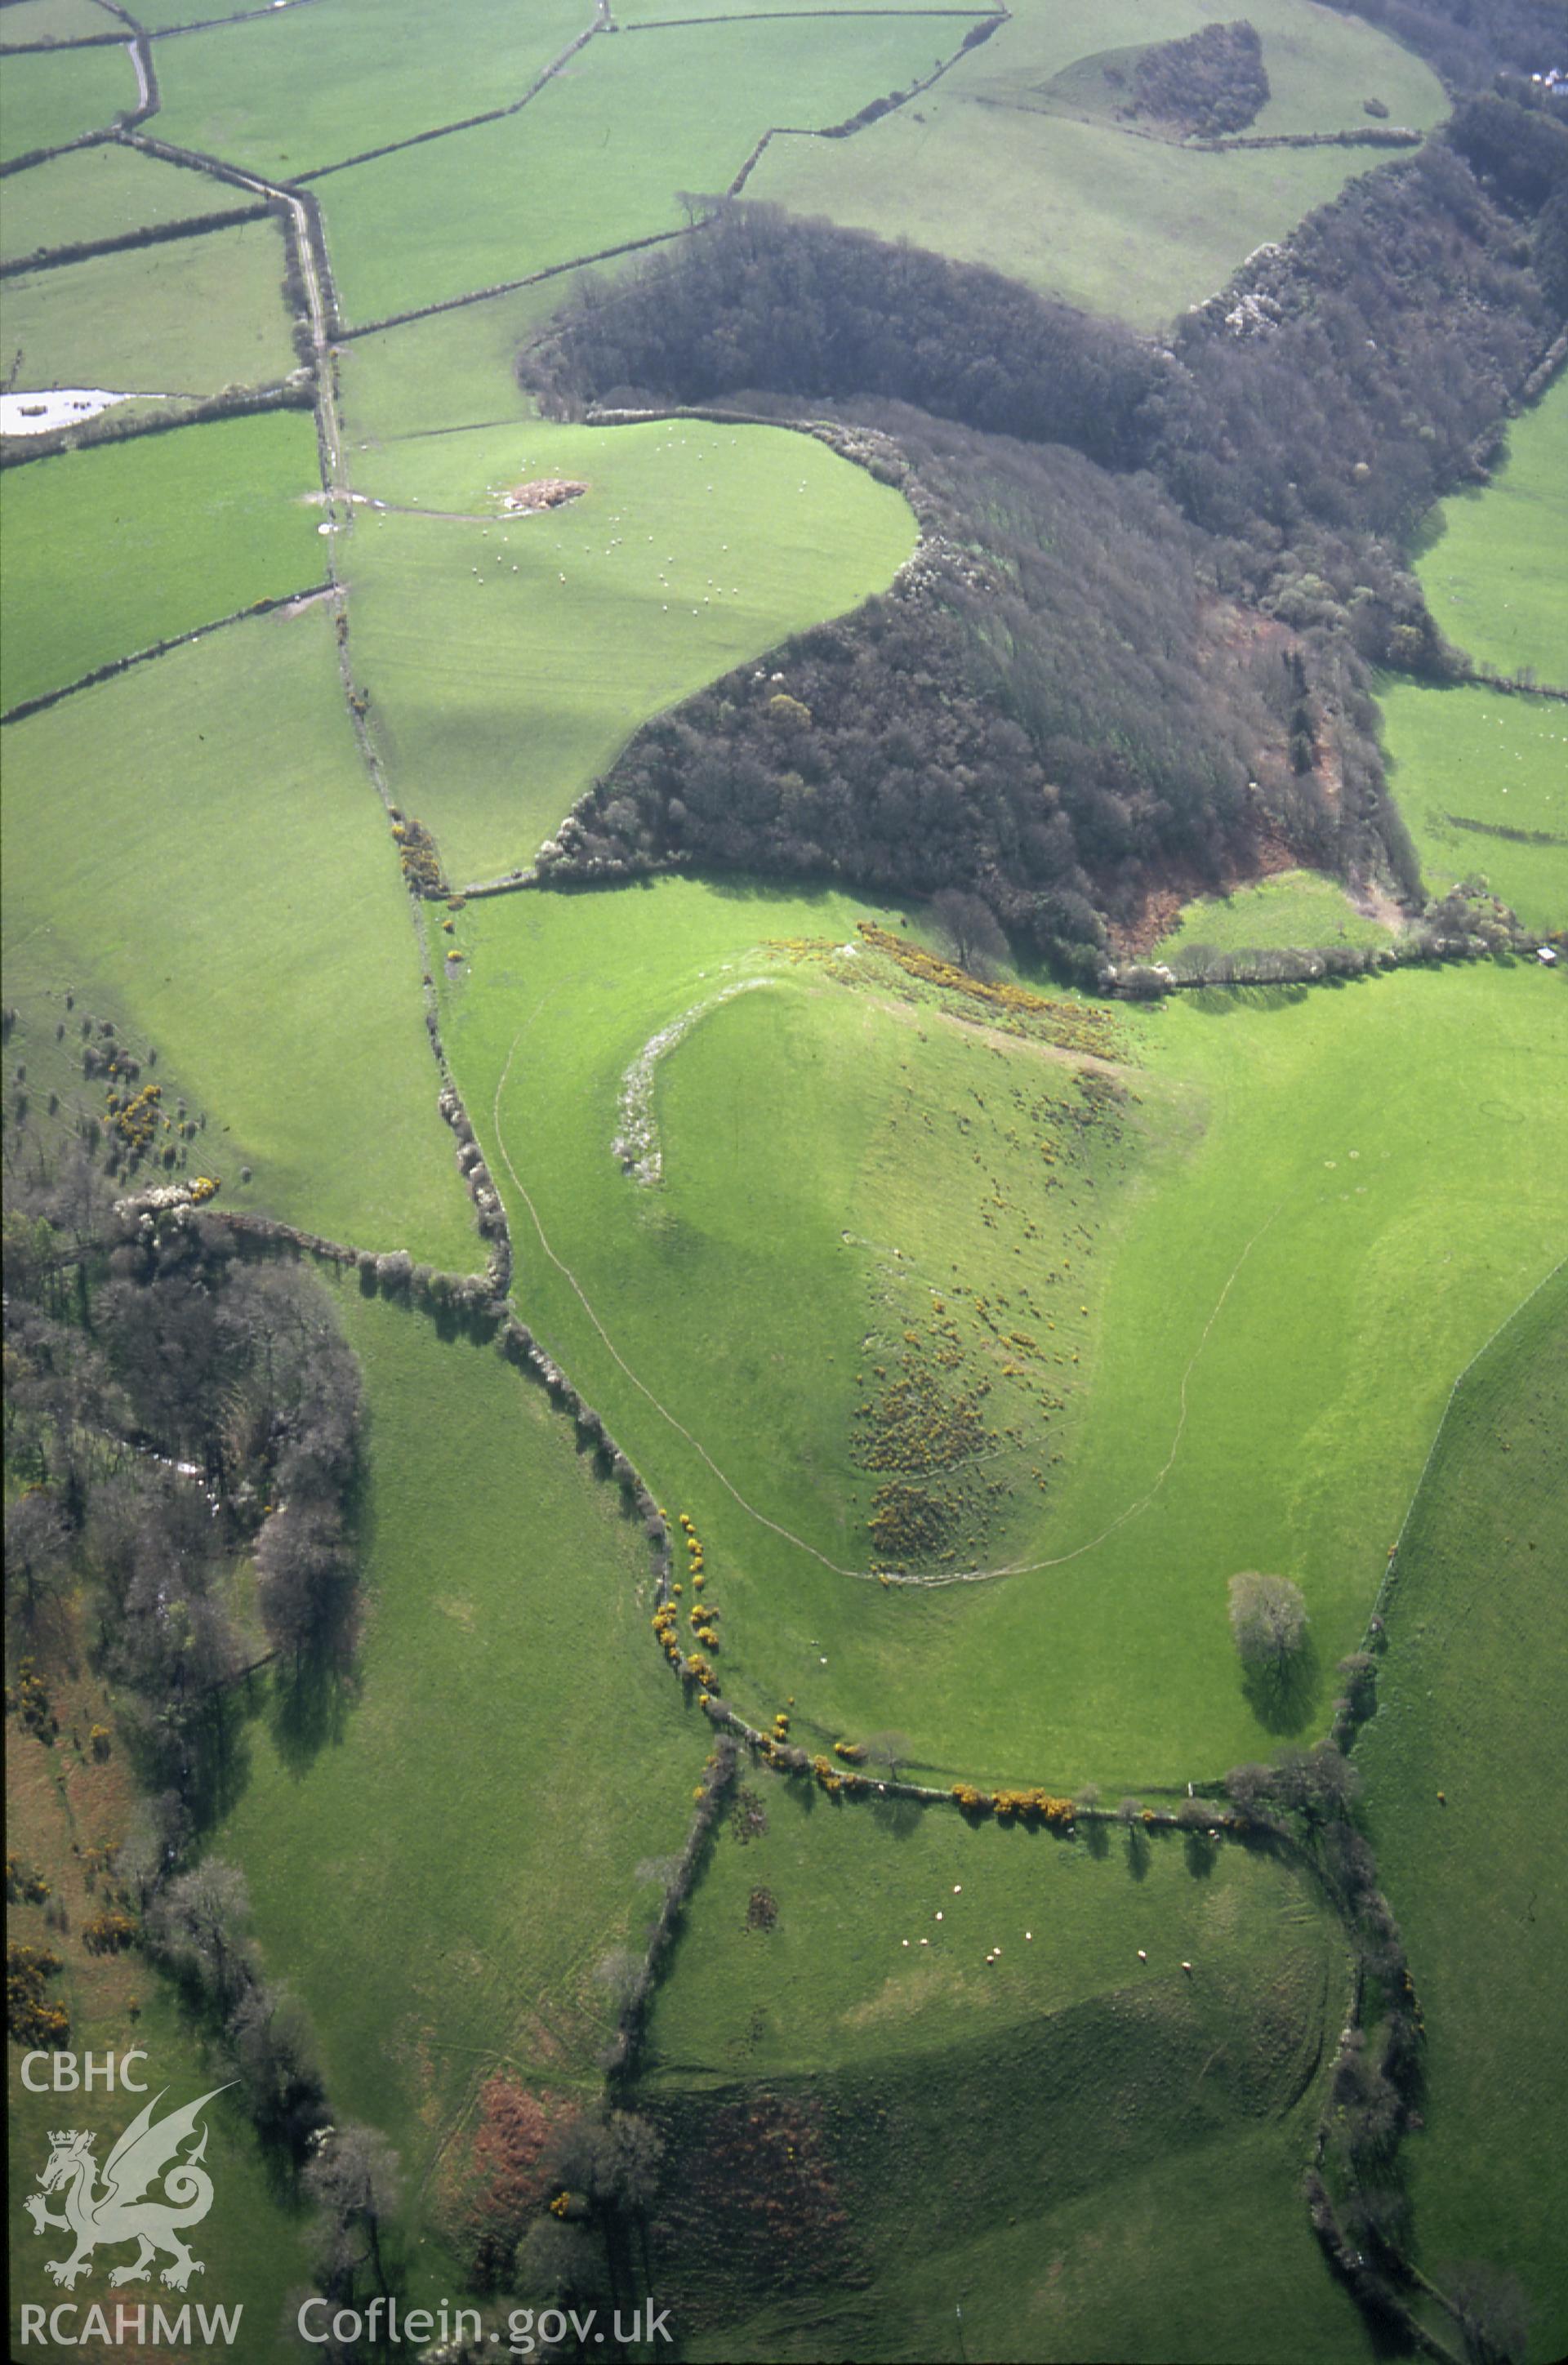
(1283, 1261)
(294, 91)
(182, 528)
(175, 16)
(190, 317)
(983, 168)
(46, 100)
(1466, 1744)
(253, 2244)
(1305, 908)
(194, 847)
(937, 2100)
(101, 192)
(471, 1832)
(656, 15)
(1132, 2267)
(585, 611)
(1320, 72)
(451, 369)
(51, 20)
(1491, 568)
(1481, 780)
(821, 1990)
(680, 109)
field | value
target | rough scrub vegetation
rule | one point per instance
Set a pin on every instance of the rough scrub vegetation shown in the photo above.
(1213, 82)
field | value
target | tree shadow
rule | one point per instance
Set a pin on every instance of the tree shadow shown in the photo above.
(1139, 1853)
(1283, 1693)
(311, 1705)
(216, 1769)
(1201, 1850)
(898, 1819)
(1097, 1840)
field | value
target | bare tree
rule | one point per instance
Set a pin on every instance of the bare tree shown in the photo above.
(304, 1576)
(971, 928)
(1493, 2313)
(892, 1751)
(38, 1547)
(558, 2259)
(275, 2057)
(1319, 1782)
(1268, 1619)
(200, 1921)
(355, 2182)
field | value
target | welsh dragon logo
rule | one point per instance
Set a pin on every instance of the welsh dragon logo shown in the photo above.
(147, 2151)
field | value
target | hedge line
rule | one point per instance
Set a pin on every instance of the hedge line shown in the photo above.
(52, 258)
(48, 698)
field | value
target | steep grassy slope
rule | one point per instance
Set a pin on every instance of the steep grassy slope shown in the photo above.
(995, 166)
(1481, 780)
(1299, 907)
(194, 846)
(1492, 567)
(941, 2128)
(1267, 1281)
(467, 1828)
(1466, 1743)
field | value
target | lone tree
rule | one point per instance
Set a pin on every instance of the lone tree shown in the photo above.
(891, 1751)
(1268, 1618)
(971, 928)
(356, 2184)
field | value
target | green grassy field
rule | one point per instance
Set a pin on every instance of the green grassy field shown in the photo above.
(289, 93)
(182, 528)
(101, 192)
(194, 847)
(1491, 568)
(1299, 1190)
(1470, 765)
(587, 611)
(670, 111)
(1305, 908)
(950, 2101)
(516, 1748)
(984, 169)
(191, 317)
(1133, 2267)
(907, 1975)
(50, 20)
(45, 101)
(1470, 1710)
(453, 369)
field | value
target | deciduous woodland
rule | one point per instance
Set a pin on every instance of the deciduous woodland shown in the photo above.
(1155, 655)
